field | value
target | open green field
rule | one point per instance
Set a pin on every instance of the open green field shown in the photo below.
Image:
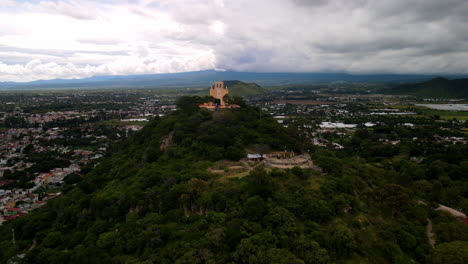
(447, 115)
(117, 122)
(424, 111)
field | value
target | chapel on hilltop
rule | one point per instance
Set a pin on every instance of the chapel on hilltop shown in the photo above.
(218, 90)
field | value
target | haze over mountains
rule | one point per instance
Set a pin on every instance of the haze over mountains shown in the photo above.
(435, 88)
(206, 77)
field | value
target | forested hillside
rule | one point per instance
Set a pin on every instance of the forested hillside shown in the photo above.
(154, 200)
(435, 88)
(238, 88)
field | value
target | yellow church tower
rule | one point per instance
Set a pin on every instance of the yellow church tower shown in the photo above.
(218, 91)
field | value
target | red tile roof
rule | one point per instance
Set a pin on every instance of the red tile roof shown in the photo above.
(10, 217)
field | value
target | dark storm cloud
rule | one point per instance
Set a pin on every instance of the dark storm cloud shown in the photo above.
(142, 36)
(353, 36)
(310, 2)
(420, 10)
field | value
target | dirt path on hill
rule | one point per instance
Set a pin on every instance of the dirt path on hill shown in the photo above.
(429, 234)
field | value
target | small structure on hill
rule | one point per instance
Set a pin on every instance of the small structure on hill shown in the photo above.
(218, 91)
(281, 154)
(287, 160)
(283, 160)
(255, 157)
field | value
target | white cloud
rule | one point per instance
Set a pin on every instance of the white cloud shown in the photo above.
(73, 9)
(70, 39)
(7, 3)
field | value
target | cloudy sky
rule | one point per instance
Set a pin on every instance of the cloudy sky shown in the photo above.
(80, 38)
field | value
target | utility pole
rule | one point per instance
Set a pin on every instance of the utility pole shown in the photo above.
(13, 231)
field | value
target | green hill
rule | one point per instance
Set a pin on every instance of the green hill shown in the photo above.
(238, 88)
(435, 88)
(154, 201)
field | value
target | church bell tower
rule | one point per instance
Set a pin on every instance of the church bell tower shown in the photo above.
(218, 90)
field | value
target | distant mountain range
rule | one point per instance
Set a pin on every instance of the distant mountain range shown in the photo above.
(206, 77)
(435, 88)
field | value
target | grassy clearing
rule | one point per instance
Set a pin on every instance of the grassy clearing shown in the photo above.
(230, 173)
(403, 106)
(229, 169)
(117, 122)
(425, 111)
(465, 131)
(54, 190)
(316, 180)
(238, 175)
(447, 115)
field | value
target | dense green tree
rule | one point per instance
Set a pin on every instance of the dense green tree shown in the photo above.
(72, 178)
(189, 104)
(342, 240)
(454, 252)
